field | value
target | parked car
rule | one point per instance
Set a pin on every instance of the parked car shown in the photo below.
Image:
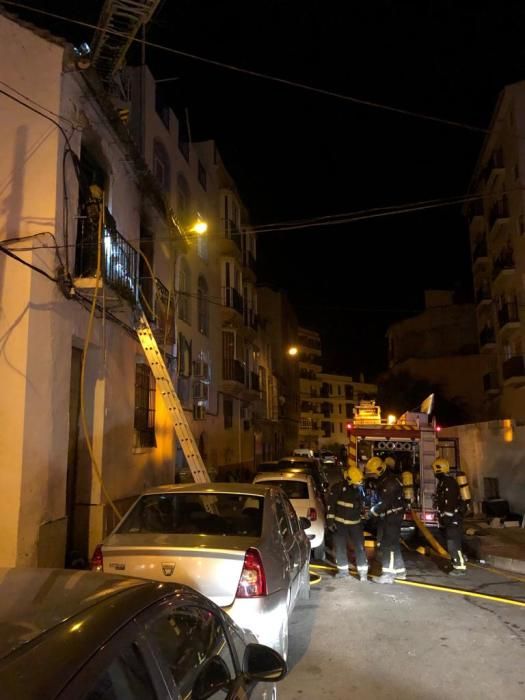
(303, 452)
(306, 501)
(80, 635)
(240, 545)
(306, 465)
(266, 466)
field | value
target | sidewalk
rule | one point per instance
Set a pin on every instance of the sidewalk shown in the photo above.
(503, 548)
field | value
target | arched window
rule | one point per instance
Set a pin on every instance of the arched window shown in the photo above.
(183, 197)
(184, 290)
(161, 165)
(203, 311)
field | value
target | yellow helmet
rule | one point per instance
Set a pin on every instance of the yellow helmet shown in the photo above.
(354, 475)
(375, 467)
(390, 462)
(441, 466)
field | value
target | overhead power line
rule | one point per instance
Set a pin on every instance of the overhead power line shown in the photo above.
(259, 74)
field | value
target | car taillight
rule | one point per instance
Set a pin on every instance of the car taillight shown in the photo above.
(97, 560)
(311, 515)
(429, 516)
(253, 578)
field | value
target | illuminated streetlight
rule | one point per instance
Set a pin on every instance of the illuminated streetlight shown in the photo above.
(293, 351)
(200, 226)
(391, 419)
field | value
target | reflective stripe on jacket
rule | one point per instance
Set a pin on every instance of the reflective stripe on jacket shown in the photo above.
(345, 504)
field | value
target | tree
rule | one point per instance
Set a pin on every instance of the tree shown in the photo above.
(402, 392)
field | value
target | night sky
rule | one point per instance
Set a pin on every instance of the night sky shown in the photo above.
(296, 154)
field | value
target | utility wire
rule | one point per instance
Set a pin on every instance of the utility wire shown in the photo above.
(9, 253)
(258, 74)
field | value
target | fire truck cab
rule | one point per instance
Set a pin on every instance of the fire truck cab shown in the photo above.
(412, 441)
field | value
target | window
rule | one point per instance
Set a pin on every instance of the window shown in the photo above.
(184, 289)
(187, 638)
(340, 427)
(126, 677)
(283, 523)
(161, 105)
(203, 310)
(293, 489)
(183, 198)
(161, 165)
(184, 357)
(184, 137)
(144, 423)
(292, 517)
(227, 409)
(202, 176)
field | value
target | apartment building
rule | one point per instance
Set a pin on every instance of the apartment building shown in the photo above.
(327, 400)
(310, 364)
(496, 221)
(440, 345)
(339, 395)
(113, 183)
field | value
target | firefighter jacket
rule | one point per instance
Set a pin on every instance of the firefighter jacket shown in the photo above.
(389, 494)
(345, 504)
(449, 504)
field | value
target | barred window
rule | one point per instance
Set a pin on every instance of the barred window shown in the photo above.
(144, 407)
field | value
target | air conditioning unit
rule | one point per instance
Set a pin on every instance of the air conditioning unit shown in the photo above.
(199, 411)
(201, 369)
(200, 391)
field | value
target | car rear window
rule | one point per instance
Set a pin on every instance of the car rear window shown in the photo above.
(295, 464)
(196, 514)
(293, 489)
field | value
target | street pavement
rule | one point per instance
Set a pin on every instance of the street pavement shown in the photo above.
(371, 641)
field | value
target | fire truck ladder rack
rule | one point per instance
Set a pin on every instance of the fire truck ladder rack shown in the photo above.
(119, 23)
(171, 400)
(427, 454)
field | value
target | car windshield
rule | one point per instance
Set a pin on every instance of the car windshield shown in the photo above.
(196, 514)
(293, 489)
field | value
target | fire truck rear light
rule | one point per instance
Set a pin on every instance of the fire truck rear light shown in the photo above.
(429, 516)
(311, 514)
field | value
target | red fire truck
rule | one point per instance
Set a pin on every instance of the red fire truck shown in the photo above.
(413, 441)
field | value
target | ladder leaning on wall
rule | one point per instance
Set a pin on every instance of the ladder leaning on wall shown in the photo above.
(171, 400)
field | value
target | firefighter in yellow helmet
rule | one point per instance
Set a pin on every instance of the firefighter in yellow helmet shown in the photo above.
(390, 462)
(390, 508)
(345, 509)
(451, 510)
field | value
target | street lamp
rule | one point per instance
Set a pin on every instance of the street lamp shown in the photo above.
(293, 350)
(199, 226)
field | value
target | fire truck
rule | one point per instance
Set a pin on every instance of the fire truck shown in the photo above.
(413, 441)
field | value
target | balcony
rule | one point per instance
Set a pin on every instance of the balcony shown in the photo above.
(494, 168)
(479, 251)
(487, 338)
(499, 213)
(249, 261)
(325, 391)
(120, 260)
(233, 371)
(504, 264)
(490, 383)
(251, 319)
(514, 371)
(233, 299)
(508, 315)
(164, 310)
(483, 294)
(231, 242)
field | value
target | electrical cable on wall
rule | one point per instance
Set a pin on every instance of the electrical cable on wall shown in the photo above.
(98, 280)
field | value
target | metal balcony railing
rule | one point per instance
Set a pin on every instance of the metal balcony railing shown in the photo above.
(490, 381)
(251, 319)
(234, 233)
(487, 336)
(504, 261)
(325, 392)
(119, 258)
(499, 211)
(514, 367)
(508, 313)
(164, 309)
(480, 249)
(233, 299)
(483, 293)
(233, 371)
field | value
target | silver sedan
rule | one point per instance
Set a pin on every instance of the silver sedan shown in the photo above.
(240, 545)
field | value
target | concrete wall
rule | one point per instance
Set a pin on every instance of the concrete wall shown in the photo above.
(493, 449)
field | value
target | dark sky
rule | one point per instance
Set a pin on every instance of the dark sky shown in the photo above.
(295, 154)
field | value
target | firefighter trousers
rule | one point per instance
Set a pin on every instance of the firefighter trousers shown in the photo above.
(392, 561)
(354, 534)
(453, 535)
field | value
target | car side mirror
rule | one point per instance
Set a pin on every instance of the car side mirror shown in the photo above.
(213, 676)
(260, 663)
(304, 523)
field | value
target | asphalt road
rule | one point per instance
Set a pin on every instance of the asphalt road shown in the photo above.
(371, 641)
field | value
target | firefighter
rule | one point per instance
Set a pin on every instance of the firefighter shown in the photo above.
(390, 463)
(345, 506)
(390, 508)
(451, 509)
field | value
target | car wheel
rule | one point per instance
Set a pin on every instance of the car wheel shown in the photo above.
(319, 552)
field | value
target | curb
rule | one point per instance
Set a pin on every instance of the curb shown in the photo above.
(517, 566)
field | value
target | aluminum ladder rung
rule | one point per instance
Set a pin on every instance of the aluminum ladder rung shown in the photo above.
(171, 400)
